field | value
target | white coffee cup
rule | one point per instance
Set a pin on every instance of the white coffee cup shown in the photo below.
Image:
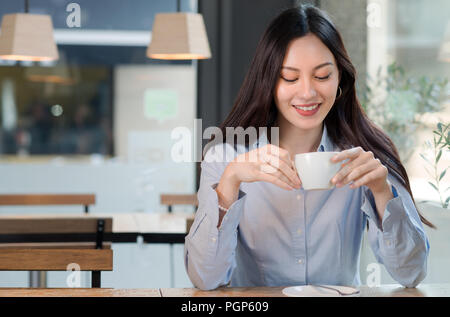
(316, 170)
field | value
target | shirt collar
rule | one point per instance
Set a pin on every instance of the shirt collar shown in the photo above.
(326, 145)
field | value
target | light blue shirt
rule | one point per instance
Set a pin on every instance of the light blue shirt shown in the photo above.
(274, 237)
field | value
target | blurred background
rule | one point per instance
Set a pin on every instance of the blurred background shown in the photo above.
(100, 118)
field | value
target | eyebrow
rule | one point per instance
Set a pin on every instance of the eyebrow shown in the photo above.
(315, 68)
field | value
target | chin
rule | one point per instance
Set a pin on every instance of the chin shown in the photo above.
(306, 122)
(308, 125)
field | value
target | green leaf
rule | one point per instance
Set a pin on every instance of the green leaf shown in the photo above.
(442, 174)
(439, 125)
(446, 202)
(440, 138)
(434, 186)
(438, 156)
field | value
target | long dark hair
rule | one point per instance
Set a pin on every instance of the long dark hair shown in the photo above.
(347, 123)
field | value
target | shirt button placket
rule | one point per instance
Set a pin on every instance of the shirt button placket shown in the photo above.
(299, 236)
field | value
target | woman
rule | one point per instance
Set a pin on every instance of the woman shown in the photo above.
(255, 225)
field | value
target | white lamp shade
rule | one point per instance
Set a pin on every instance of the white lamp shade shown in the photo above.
(27, 37)
(179, 36)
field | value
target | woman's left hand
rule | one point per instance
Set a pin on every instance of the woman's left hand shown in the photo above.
(362, 168)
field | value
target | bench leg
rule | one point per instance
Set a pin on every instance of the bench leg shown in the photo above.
(96, 279)
(172, 267)
(38, 279)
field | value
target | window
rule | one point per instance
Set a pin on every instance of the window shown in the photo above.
(67, 107)
(409, 95)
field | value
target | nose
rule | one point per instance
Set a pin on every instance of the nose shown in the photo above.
(306, 89)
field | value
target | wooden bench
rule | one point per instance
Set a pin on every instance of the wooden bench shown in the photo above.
(170, 200)
(36, 243)
(48, 199)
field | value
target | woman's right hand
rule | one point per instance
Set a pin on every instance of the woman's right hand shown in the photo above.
(269, 163)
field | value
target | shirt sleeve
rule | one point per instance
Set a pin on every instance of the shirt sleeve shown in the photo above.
(209, 252)
(398, 240)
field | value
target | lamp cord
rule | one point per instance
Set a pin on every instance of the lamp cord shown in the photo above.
(27, 6)
(178, 6)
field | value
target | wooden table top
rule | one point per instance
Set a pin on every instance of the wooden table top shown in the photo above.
(161, 222)
(391, 290)
(78, 292)
(132, 222)
(224, 292)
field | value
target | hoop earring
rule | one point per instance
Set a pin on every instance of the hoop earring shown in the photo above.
(339, 92)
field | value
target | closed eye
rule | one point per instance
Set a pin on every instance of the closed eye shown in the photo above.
(293, 80)
(324, 78)
(289, 80)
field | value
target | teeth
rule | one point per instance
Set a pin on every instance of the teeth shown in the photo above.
(307, 108)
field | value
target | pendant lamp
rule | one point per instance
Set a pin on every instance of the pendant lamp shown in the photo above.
(179, 36)
(27, 37)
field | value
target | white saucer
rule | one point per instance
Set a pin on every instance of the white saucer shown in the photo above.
(317, 291)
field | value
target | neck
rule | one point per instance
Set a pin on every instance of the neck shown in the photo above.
(297, 141)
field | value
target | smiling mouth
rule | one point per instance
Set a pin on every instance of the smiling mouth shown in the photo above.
(308, 108)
